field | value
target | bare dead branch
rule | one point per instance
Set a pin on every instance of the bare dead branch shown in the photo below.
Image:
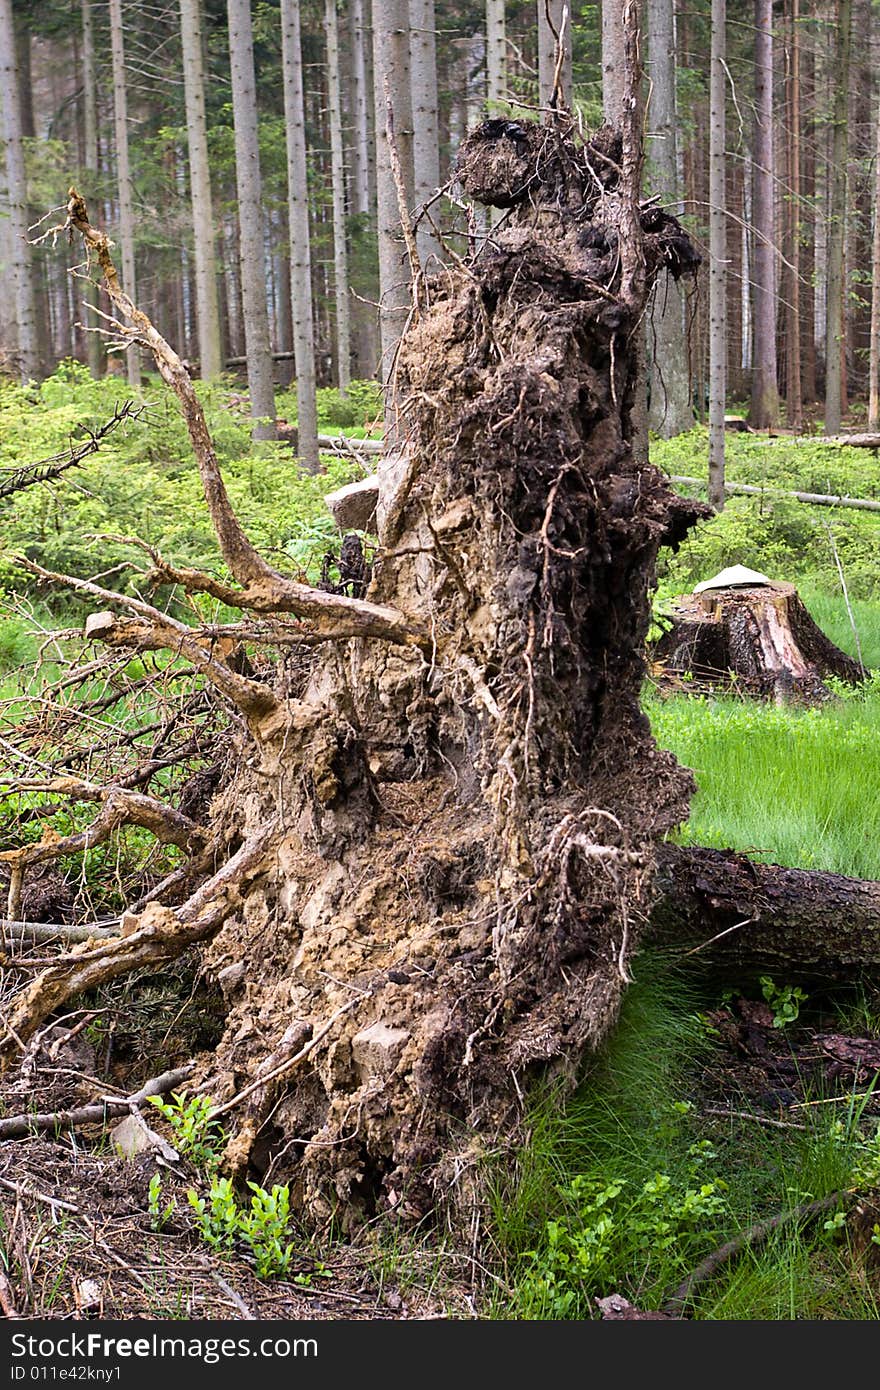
(20, 1126)
(264, 589)
(122, 807)
(36, 933)
(158, 934)
(42, 472)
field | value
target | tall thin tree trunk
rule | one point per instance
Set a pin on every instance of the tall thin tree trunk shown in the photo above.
(614, 86)
(834, 321)
(793, 405)
(94, 350)
(16, 197)
(207, 312)
(874, 368)
(550, 31)
(300, 241)
(613, 62)
(337, 168)
(670, 410)
(123, 173)
(737, 301)
(258, 348)
(426, 139)
(717, 255)
(764, 410)
(360, 179)
(391, 68)
(808, 220)
(496, 55)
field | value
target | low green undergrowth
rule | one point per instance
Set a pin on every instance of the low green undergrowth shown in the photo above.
(144, 482)
(625, 1187)
(779, 536)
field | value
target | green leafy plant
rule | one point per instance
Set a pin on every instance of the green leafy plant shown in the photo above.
(264, 1226)
(198, 1137)
(580, 1253)
(784, 1000)
(217, 1215)
(159, 1215)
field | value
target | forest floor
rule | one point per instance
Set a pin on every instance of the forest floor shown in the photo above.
(80, 1241)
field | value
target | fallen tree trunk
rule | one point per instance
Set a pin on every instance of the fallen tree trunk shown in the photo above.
(762, 916)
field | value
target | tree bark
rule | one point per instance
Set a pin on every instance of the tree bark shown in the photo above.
(252, 252)
(337, 163)
(496, 56)
(808, 223)
(391, 69)
(28, 354)
(553, 91)
(426, 137)
(123, 174)
(300, 236)
(360, 176)
(717, 255)
(805, 923)
(874, 366)
(670, 410)
(834, 317)
(792, 309)
(210, 347)
(94, 350)
(764, 410)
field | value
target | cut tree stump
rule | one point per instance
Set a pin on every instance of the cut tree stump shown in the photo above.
(755, 637)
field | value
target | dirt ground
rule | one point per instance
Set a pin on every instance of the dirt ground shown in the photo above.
(79, 1242)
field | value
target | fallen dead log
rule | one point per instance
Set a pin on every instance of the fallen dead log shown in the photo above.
(742, 914)
(815, 499)
(19, 1126)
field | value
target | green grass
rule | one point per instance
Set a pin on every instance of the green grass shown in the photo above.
(570, 1218)
(792, 786)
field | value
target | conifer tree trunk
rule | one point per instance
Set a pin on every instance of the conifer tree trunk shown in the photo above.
(89, 291)
(613, 62)
(300, 243)
(834, 318)
(793, 404)
(337, 169)
(426, 138)
(16, 197)
(717, 256)
(360, 103)
(258, 347)
(210, 348)
(123, 173)
(550, 13)
(496, 55)
(670, 406)
(808, 221)
(874, 366)
(391, 67)
(764, 410)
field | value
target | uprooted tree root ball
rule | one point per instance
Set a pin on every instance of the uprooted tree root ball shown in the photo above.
(442, 849)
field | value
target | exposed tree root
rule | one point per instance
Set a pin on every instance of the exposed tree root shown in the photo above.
(755, 1235)
(449, 823)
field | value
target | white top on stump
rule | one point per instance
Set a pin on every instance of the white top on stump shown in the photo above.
(735, 577)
